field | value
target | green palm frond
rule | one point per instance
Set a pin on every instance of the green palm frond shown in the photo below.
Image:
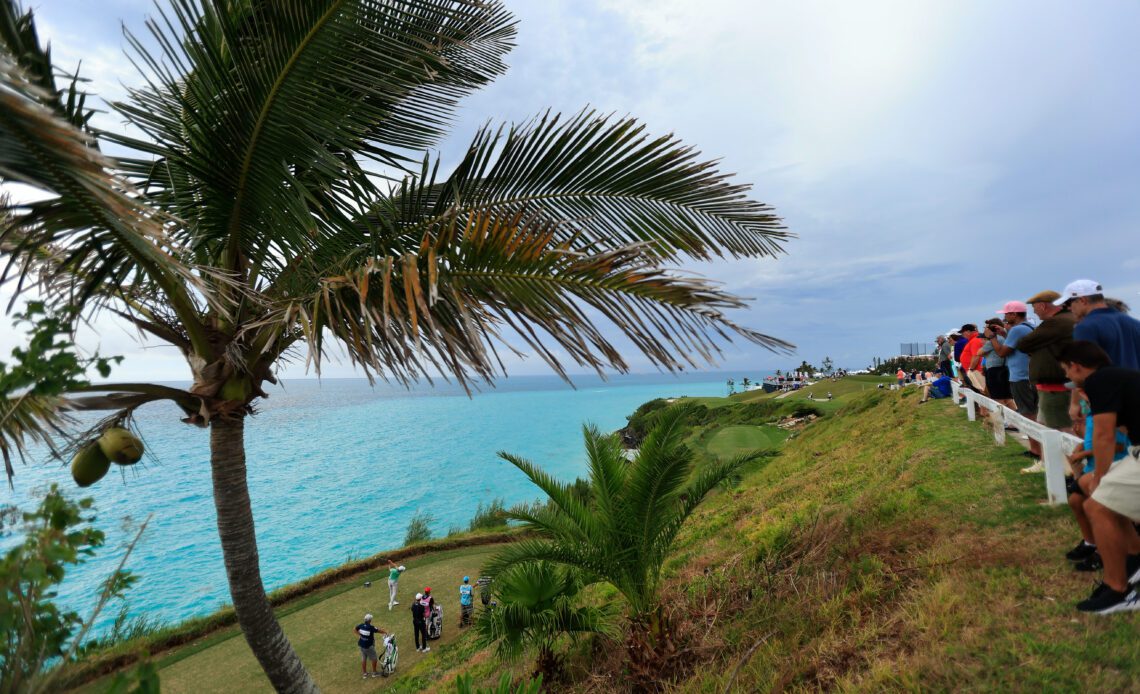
(625, 540)
(537, 603)
(562, 495)
(30, 419)
(92, 229)
(447, 303)
(605, 180)
(255, 114)
(608, 471)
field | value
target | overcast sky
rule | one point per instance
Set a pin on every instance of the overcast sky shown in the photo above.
(935, 159)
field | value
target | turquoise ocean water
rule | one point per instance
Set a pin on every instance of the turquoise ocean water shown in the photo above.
(336, 469)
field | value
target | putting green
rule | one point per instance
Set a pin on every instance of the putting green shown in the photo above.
(734, 440)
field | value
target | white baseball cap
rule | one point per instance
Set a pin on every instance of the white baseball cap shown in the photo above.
(1078, 288)
(419, 596)
(401, 567)
(368, 618)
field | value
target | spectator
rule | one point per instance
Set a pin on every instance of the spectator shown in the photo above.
(942, 354)
(1021, 389)
(1045, 372)
(970, 367)
(901, 376)
(1118, 334)
(995, 371)
(1081, 461)
(959, 345)
(1114, 400)
(1117, 305)
(939, 388)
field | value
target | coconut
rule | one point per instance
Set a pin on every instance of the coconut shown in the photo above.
(121, 446)
(237, 388)
(89, 465)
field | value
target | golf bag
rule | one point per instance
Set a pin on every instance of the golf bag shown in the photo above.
(435, 623)
(390, 657)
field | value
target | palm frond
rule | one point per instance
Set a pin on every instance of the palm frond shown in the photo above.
(592, 561)
(706, 479)
(606, 181)
(450, 301)
(255, 113)
(659, 472)
(28, 419)
(92, 229)
(608, 471)
(561, 494)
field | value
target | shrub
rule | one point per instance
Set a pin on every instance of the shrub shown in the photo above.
(419, 528)
(493, 516)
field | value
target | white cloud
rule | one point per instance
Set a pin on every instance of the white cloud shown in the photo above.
(934, 157)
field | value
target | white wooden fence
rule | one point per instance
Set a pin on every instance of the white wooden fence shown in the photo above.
(1055, 445)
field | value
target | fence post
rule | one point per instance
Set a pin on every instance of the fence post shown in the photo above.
(971, 412)
(1053, 455)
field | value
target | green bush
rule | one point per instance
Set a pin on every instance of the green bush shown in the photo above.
(491, 517)
(419, 529)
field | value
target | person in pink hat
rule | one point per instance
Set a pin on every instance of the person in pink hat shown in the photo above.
(1015, 328)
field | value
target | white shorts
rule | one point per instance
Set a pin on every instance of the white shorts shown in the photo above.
(1119, 489)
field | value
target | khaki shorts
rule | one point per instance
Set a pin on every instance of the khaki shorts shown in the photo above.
(1119, 489)
(1053, 409)
(977, 380)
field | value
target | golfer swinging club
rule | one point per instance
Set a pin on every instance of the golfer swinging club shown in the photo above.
(393, 578)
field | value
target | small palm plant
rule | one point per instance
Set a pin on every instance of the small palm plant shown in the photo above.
(623, 535)
(536, 606)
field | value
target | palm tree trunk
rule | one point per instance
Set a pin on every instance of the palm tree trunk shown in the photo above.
(239, 548)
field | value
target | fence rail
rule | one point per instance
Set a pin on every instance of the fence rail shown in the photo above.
(1056, 446)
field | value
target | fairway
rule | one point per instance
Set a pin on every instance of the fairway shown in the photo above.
(322, 632)
(732, 441)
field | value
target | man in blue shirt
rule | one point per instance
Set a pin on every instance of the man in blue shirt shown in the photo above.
(1116, 333)
(939, 388)
(466, 602)
(366, 639)
(1024, 394)
(1015, 328)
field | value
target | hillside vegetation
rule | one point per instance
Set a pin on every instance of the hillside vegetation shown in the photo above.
(885, 546)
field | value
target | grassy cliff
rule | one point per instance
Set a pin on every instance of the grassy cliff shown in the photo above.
(886, 546)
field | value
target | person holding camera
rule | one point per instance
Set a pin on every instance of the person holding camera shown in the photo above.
(996, 372)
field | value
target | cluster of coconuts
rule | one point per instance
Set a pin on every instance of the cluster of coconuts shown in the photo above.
(116, 445)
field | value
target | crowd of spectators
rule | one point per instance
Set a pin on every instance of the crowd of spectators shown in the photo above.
(1076, 368)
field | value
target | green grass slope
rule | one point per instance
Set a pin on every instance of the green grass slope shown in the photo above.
(894, 547)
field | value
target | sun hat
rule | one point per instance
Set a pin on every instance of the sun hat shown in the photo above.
(368, 617)
(1040, 297)
(1013, 307)
(1076, 289)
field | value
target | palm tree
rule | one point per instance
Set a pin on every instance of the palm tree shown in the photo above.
(536, 605)
(623, 535)
(275, 195)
